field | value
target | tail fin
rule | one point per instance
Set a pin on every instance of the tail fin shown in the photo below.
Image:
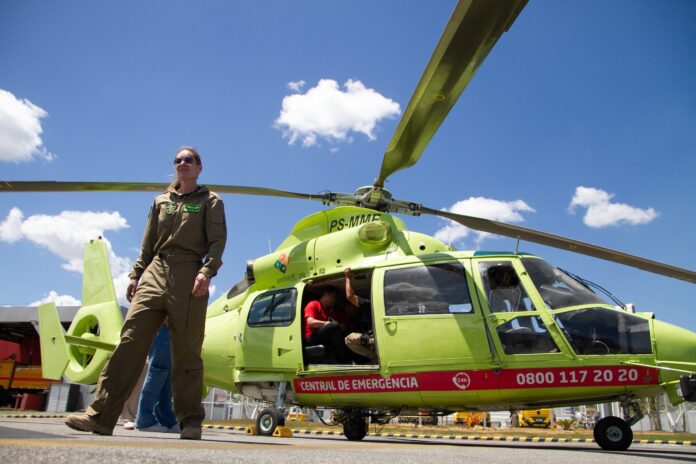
(54, 351)
(97, 284)
(95, 330)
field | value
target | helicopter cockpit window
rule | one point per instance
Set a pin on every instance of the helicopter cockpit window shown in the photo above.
(605, 331)
(503, 288)
(432, 289)
(526, 335)
(273, 309)
(558, 289)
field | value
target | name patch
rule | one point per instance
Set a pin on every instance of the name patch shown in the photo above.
(192, 208)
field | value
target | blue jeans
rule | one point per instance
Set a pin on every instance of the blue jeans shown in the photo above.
(155, 405)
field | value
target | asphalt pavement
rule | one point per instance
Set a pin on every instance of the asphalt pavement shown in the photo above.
(48, 440)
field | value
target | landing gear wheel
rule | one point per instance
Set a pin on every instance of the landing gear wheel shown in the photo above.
(268, 420)
(613, 434)
(355, 427)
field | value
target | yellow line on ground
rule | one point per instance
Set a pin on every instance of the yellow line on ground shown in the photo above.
(203, 444)
(115, 443)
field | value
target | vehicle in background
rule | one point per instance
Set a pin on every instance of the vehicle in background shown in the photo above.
(536, 418)
(22, 386)
(472, 419)
(297, 414)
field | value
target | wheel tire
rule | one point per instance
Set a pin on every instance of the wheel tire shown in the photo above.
(355, 427)
(268, 420)
(613, 434)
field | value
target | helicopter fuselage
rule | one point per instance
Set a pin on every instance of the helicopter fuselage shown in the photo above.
(452, 329)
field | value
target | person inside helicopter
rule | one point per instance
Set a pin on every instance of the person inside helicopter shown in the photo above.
(361, 340)
(506, 293)
(325, 325)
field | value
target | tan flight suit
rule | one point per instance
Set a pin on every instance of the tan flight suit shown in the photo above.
(184, 235)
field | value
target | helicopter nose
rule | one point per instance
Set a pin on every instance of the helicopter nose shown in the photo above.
(675, 349)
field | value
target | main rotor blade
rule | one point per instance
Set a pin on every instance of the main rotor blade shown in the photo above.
(556, 241)
(53, 186)
(473, 29)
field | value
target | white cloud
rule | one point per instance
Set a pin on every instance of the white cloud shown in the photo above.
(121, 282)
(65, 235)
(11, 227)
(296, 86)
(488, 208)
(59, 300)
(211, 290)
(601, 212)
(327, 112)
(20, 130)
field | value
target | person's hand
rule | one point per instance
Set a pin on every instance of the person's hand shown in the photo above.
(130, 291)
(348, 273)
(200, 286)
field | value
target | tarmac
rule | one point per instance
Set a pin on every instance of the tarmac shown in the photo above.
(39, 439)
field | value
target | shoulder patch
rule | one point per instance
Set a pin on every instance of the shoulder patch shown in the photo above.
(169, 208)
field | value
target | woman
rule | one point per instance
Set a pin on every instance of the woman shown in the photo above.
(181, 251)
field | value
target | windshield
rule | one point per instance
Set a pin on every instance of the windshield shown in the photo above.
(558, 289)
(605, 331)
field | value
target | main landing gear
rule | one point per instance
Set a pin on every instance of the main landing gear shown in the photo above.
(268, 419)
(271, 418)
(615, 434)
(355, 425)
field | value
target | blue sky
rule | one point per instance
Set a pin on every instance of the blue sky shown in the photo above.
(596, 94)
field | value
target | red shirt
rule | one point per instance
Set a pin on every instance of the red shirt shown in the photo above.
(316, 310)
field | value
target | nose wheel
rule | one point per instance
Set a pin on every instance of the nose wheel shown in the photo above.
(613, 434)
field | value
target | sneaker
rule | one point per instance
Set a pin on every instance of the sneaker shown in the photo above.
(174, 429)
(85, 423)
(129, 425)
(191, 433)
(154, 428)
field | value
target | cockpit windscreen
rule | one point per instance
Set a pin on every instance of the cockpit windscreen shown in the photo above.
(558, 289)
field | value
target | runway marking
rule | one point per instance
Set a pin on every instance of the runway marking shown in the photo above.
(33, 416)
(64, 443)
(466, 437)
(203, 444)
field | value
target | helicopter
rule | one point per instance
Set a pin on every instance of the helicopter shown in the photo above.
(453, 330)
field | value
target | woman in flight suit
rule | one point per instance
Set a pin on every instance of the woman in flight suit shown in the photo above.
(181, 251)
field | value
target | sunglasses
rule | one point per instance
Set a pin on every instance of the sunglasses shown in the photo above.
(188, 159)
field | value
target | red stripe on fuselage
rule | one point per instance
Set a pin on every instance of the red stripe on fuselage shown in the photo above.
(490, 379)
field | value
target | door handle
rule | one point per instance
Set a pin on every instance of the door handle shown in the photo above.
(390, 324)
(282, 351)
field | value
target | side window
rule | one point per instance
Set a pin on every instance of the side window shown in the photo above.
(503, 288)
(273, 309)
(433, 289)
(605, 331)
(526, 335)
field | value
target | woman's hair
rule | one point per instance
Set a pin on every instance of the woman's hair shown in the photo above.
(196, 156)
